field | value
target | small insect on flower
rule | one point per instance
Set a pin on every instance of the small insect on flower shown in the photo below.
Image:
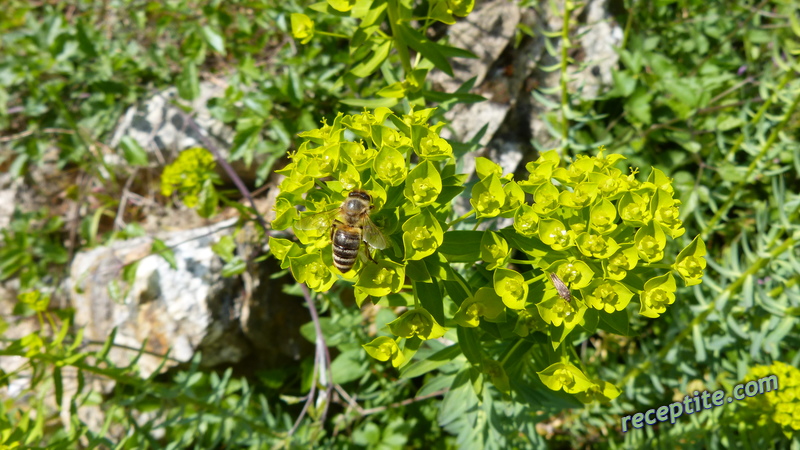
(561, 288)
(350, 224)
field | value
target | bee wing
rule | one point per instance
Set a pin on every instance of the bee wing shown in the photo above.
(317, 221)
(373, 235)
(561, 288)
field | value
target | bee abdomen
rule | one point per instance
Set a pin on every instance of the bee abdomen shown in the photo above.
(345, 250)
(346, 240)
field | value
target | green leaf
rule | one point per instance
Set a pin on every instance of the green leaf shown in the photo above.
(432, 362)
(133, 153)
(160, 248)
(349, 366)
(208, 200)
(380, 51)
(430, 297)
(617, 322)
(214, 40)
(461, 245)
(237, 266)
(188, 82)
(470, 344)
(225, 247)
(429, 49)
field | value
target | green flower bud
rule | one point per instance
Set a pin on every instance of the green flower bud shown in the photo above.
(665, 211)
(608, 296)
(565, 376)
(603, 217)
(658, 293)
(511, 287)
(557, 311)
(382, 278)
(526, 222)
(609, 184)
(553, 233)
(633, 210)
(528, 322)
(618, 265)
(434, 148)
(389, 137)
(390, 166)
(485, 303)
(361, 124)
(575, 274)
(359, 155)
(488, 197)
(650, 242)
(312, 270)
(419, 117)
(583, 195)
(349, 177)
(606, 162)
(416, 322)
(302, 27)
(423, 184)
(596, 246)
(540, 173)
(577, 171)
(515, 197)
(494, 250)
(422, 235)
(691, 263)
(382, 348)
(545, 199)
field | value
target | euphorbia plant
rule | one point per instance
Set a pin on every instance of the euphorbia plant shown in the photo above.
(601, 232)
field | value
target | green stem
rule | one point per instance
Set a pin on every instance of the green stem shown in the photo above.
(535, 279)
(520, 261)
(336, 35)
(511, 351)
(658, 266)
(469, 213)
(477, 223)
(565, 46)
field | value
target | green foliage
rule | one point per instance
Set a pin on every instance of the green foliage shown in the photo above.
(31, 247)
(490, 351)
(598, 231)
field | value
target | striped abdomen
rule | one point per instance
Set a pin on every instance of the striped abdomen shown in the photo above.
(346, 241)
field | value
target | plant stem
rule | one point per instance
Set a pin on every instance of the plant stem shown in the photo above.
(565, 46)
(520, 261)
(469, 213)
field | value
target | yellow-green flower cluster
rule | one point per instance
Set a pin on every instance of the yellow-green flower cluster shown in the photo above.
(373, 152)
(780, 407)
(189, 174)
(597, 227)
(370, 151)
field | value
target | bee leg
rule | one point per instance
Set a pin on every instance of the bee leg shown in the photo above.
(365, 254)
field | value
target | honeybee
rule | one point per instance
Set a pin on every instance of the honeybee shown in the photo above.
(350, 224)
(561, 288)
